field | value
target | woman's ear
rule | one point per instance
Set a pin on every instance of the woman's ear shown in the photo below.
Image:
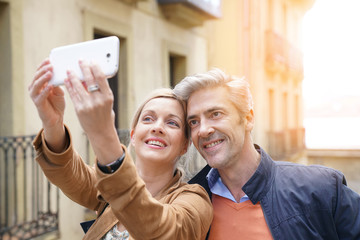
(186, 146)
(132, 137)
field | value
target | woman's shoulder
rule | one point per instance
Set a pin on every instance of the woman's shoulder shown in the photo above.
(188, 191)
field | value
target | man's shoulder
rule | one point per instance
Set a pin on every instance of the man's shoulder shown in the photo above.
(289, 167)
(295, 170)
(312, 174)
(200, 176)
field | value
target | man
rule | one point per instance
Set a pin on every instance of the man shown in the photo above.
(253, 196)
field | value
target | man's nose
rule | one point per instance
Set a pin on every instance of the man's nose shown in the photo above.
(205, 129)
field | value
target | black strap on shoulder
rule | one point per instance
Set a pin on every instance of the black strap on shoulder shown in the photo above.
(86, 225)
(200, 178)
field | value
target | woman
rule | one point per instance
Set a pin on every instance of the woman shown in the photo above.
(146, 201)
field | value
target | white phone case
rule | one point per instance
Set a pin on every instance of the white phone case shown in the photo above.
(103, 51)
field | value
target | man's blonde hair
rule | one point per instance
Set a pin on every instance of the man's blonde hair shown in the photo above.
(238, 88)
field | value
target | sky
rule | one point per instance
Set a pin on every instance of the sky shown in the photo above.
(331, 46)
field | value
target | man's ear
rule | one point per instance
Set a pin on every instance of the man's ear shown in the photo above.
(250, 120)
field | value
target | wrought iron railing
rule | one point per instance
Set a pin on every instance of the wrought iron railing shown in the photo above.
(29, 204)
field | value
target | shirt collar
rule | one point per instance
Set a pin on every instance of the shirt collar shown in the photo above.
(218, 187)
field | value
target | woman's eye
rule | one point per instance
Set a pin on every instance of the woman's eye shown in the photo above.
(174, 123)
(147, 119)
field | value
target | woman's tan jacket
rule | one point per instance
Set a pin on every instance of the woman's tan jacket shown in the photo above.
(178, 211)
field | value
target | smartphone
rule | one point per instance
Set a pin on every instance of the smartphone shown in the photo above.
(102, 51)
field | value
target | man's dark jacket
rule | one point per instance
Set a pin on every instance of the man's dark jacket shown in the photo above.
(301, 202)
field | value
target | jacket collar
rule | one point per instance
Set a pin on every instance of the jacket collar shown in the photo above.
(200, 178)
(260, 182)
(108, 219)
(102, 225)
(172, 185)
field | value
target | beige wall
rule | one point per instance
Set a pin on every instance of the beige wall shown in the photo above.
(148, 34)
(11, 59)
(235, 43)
(238, 44)
(37, 26)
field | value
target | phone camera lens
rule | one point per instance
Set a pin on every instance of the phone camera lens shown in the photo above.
(108, 55)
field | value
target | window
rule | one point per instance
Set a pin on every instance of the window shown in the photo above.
(271, 110)
(270, 21)
(285, 111)
(5, 70)
(118, 83)
(177, 68)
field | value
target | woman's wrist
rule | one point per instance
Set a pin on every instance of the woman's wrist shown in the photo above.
(56, 139)
(107, 147)
(113, 166)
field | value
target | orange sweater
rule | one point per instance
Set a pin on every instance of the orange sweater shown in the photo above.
(238, 220)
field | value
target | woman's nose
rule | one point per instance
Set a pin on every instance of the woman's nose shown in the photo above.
(158, 128)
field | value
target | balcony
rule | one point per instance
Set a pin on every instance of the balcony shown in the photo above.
(190, 13)
(282, 56)
(29, 204)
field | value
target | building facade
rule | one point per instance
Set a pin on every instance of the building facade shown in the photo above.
(156, 50)
(261, 40)
(160, 43)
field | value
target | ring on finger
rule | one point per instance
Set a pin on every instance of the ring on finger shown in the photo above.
(93, 88)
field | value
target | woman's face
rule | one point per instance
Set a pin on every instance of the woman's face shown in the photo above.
(159, 135)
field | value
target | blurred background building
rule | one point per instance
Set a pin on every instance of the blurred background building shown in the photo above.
(161, 41)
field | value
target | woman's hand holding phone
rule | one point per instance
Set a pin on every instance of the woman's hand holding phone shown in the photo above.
(50, 104)
(94, 109)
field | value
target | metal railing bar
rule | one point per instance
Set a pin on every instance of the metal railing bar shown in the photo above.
(33, 212)
(15, 186)
(6, 189)
(48, 197)
(25, 185)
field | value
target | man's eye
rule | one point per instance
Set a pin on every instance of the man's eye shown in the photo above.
(193, 123)
(216, 114)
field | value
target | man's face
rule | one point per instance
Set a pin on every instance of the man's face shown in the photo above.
(217, 130)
